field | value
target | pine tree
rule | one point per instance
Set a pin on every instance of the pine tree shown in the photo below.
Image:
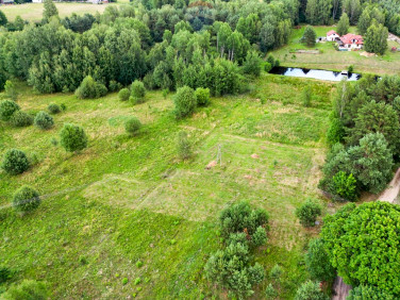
(343, 25)
(309, 37)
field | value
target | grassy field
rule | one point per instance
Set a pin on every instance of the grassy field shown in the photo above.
(331, 59)
(34, 11)
(129, 199)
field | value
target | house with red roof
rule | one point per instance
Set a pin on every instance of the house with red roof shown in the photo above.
(332, 36)
(351, 42)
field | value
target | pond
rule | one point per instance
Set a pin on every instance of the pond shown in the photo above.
(316, 74)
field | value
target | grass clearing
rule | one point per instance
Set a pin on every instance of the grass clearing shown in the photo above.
(331, 59)
(128, 199)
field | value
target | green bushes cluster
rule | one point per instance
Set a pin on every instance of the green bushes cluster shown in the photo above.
(26, 199)
(7, 109)
(202, 96)
(43, 120)
(317, 262)
(73, 138)
(308, 212)
(241, 228)
(90, 89)
(310, 290)
(15, 162)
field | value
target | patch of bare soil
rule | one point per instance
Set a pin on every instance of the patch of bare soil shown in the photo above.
(392, 191)
(367, 54)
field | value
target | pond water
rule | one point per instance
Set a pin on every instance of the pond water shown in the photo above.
(316, 74)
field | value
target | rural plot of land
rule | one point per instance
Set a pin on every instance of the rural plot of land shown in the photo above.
(269, 175)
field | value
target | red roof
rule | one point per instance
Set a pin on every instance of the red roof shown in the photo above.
(348, 39)
(331, 32)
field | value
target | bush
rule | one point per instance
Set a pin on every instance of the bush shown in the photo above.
(5, 274)
(10, 90)
(63, 107)
(90, 89)
(21, 119)
(270, 292)
(308, 213)
(185, 102)
(271, 60)
(114, 86)
(124, 94)
(27, 290)
(317, 261)
(368, 293)
(73, 138)
(138, 91)
(267, 67)
(53, 108)
(276, 273)
(241, 217)
(362, 244)
(202, 96)
(7, 109)
(252, 64)
(165, 93)
(306, 96)
(184, 147)
(43, 120)
(310, 291)
(132, 125)
(335, 132)
(26, 199)
(259, 237)
(344, 186)
(15, 162)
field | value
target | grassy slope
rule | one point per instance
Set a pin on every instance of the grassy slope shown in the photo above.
(34, 11)
(336, 60)
(126, 199)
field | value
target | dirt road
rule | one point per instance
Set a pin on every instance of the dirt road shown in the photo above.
(392, 191)
(341, 289)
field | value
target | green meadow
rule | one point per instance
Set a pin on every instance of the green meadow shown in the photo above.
(127, 218)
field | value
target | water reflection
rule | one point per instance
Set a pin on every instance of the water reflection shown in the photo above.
(316, 74)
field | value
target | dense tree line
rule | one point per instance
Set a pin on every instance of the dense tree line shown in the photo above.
(364, 133)
(167, 44)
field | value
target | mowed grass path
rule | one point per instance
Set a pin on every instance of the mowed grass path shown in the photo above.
(34, 11)
(331, 59)
(128, 199)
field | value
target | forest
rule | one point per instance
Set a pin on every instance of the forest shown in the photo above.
(164, 160)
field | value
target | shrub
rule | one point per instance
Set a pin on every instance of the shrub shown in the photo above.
(335, 132)
(368, 292)
(306, 96)
(53, 108)
(259, 237)
(138, 91)
(308, 213)
(5, 274)
(362, 244)
(90, 89)
(27, 290)
(7, 109)
(271, 60)
(344, 186)
(15, 162)
(202, 96)
(317, 261)
(270, 292)
(124, 94)
(21, 119)
(43, 120)
(132, 125)
(241, 217)
(63, 107)
(165, 93)
(184, 147)
(252, 64)
(185, 102)
(276, 273)
(310, 291)
(10, 90)
(73, 138)
(26, 199)
(267, 67)
(114, 86)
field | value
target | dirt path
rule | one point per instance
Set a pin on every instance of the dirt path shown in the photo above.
(392, 191)
(341, 289)
(392, 37)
